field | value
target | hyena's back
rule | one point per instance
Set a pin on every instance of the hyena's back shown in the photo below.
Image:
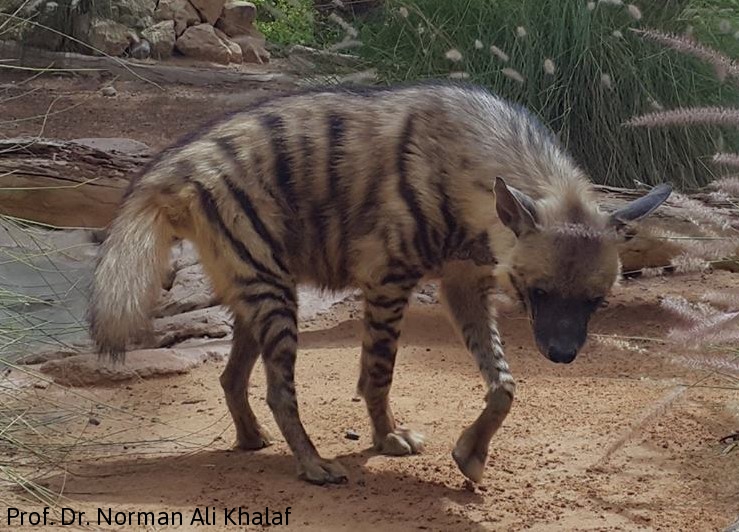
(327, 187)
(337, 184)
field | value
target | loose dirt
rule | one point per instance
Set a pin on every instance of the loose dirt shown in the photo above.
(163, 445)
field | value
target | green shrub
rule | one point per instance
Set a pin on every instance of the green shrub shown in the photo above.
(604, 73)
(286, 21)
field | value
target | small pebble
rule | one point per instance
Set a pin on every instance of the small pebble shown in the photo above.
(351, 435)
(94, 421)
(108, 91)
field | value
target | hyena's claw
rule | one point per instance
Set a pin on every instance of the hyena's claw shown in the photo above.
(470, 456)
(400, 442)
(322, 472)
(253, 444)
(252, 438)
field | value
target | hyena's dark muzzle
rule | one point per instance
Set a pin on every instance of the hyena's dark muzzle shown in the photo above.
(560, 325)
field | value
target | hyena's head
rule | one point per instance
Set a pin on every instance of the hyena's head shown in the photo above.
(563, 265)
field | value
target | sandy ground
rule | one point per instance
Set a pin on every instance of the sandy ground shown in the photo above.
(163, 445)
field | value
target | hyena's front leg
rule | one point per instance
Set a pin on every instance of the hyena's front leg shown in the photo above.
(465, 292)
(384, 308)
(274, 315)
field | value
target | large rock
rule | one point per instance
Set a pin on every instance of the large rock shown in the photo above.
(202, 42)
(109, 36)
(236, 55)
(237, 18)
(190, 291)
(181, 12)
(213, 322)
(253, 48)
(136, 14)
(161, 37)
(184, 254)
(88, 370)
(209, 10)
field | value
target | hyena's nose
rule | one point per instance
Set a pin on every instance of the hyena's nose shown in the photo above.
(562, 354)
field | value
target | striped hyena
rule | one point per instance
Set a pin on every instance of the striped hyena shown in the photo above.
(373, 189)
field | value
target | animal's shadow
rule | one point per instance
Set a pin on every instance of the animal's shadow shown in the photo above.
(255, 480)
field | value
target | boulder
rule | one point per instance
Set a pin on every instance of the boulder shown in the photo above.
(237, 18)
(234, 48)
(252, 48)
(184, 255)
(88, 370)
(109, 36)
(161, 37)
(181, 12)
(209, 10)
(190, 291)
(202, 42)
(212, 322)
(137, 14)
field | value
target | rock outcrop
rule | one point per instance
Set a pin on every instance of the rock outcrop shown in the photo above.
(144, 29)
(88, 370)
(237, 18)
(108, 36)
(210, 10)
(161, 37)
(202, 42)
(181, 12)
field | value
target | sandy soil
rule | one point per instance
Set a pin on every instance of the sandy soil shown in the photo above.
(164, 445)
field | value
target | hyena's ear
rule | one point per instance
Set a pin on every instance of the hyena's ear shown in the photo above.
(641, 207)
(515, 209)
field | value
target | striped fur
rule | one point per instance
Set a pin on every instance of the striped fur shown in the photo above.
(374, 189)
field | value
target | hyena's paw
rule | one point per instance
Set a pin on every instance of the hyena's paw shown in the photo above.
(320, 471)
(253, 440)
(253, 444)
(470, 455)
(400, 442)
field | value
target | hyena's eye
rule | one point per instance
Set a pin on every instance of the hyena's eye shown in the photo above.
(538, 293)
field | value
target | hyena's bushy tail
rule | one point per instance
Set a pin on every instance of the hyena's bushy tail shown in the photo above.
(129, 274)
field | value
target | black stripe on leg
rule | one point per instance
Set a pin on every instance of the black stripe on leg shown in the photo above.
(385, 327)
(268, 320)
(403, 279)
(385, 302)
(384, 349)
(282, 289)
(262, 297)
(380, 377)
(285, 334)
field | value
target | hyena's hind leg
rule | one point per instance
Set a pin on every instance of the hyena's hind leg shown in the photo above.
(235, 383)
(270, 306)
(465, 291)
(384, 308)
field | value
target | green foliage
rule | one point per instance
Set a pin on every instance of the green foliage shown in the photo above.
(286, 21)
(604, 73)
